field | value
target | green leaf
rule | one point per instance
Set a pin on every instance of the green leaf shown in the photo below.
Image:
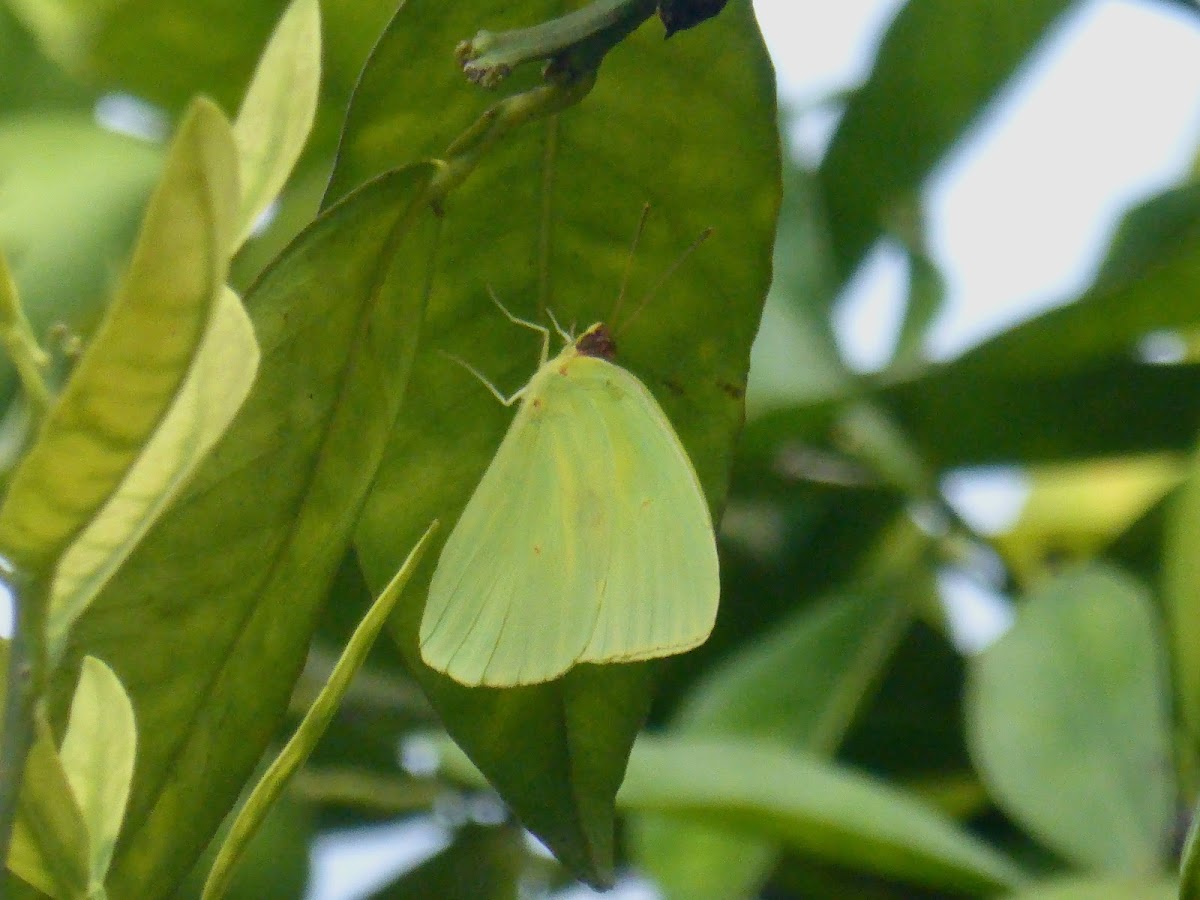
(842, 645)
(96, 38)
(1189, 863)
(1181, 603)
(64, 253)
(28, 80)
(893, 134)
(278, 110)
(22, 345)
(98, 753)
(546, 220)
(50, 846)
(1107, 888)
(1065, 385)
(926, 296)
(1067, 722)
(137, 360)
(162, 50)
(1075, 510)
(812, 806)
(216, 385)
(1018, 396)
(961, 417)
(301, 744)
(226, 586)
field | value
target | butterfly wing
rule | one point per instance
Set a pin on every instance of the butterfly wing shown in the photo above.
(587, 540)
(661, 581)
(500, 609)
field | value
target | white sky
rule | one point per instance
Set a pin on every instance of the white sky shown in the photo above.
(1108, 111)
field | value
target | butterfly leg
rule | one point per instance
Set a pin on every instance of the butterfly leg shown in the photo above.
(506, 400)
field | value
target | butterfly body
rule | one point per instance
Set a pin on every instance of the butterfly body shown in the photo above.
(588, 539)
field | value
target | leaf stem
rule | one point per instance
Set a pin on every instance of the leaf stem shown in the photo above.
(28, 357)
(572, 44)
(464, 154)
(24, 683)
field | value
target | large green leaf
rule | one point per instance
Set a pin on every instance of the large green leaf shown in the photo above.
(167, 50)
(50, 846)
(810, 805)
(1065, 384)
(546, 219)
(216, 384)
(960, 418)
(27, 79)
(1067, 722)
(97, 752)
(939, 65)
(278, 109)
(1106, 888)
(137, 362)
(208, 622)
(1181, 601)
(300, 745)
(64, 254)
(820, 808)
(840, 646)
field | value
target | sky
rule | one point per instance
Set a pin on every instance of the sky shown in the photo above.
(1107, 111)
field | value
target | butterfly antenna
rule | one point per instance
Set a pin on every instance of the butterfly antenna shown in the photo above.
(671, 270)
(568, 335)
(637, 237)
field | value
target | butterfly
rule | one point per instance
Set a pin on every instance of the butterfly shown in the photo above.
(588, 539)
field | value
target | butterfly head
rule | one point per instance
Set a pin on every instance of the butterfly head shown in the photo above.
(597, 341)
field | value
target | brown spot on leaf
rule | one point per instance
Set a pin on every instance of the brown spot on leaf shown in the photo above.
(673, 386)
(736, 391)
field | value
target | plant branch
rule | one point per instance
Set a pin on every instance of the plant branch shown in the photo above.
(464, 154)
(24, 686)
(573, 44)
(22, 346)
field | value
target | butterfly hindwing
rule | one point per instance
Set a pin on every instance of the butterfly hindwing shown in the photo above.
(660, 587)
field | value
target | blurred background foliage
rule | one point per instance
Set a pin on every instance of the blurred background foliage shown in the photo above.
(1067, 748)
